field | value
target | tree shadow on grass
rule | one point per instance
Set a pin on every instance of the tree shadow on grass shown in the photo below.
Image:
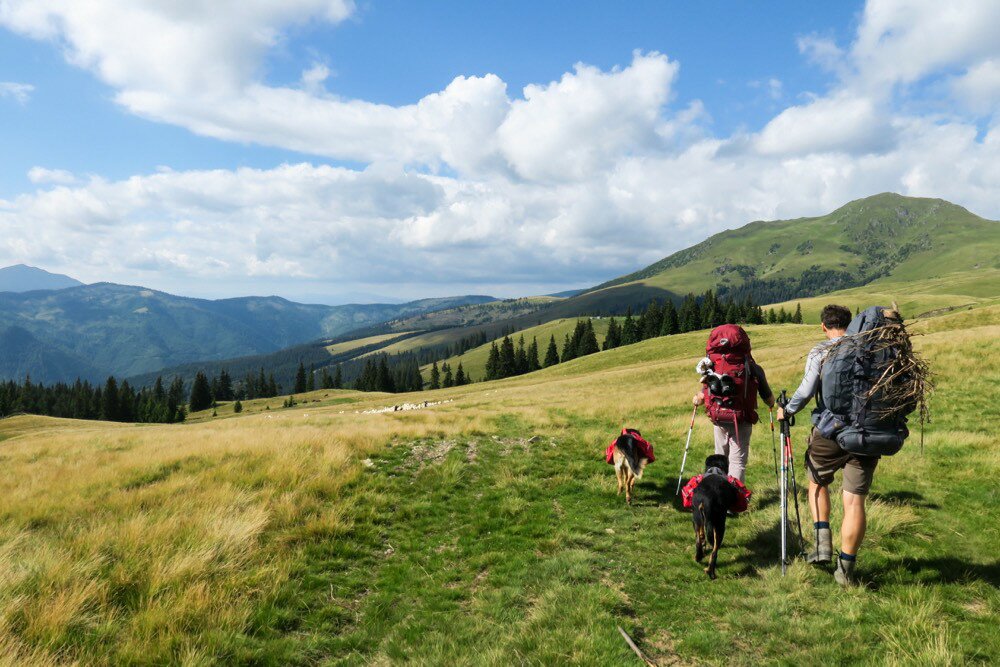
(910, 498)
(942, 570)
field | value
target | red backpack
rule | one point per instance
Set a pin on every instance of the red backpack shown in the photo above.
(731, 391)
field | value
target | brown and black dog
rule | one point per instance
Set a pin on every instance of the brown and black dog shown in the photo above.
(629, 463)
(711, 500)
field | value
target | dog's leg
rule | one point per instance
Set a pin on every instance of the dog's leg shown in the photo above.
(628, 486)
(699, 542)
(716, 543)
(618, 474)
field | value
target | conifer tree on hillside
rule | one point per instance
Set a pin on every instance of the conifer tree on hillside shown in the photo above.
(272, 387)
(568, 350)
(669, 325)
(435, 382)
(733, 313)
(338, 378)
(630, 332)
(797, 317)
(493, 362)
(614, 336)
(126, 403)
(551, 353)
(460, 377)
(588, 340)
(311, 378)
(201, 393)
(449, 379)
(175, 399)
(300, 379)
(690, 315)
(783, 316)
(533, 364)
(654, 320)
(520, 357)
(109, 400)
(508, 360)
(325, 381)
(772, 317)
(237, 407)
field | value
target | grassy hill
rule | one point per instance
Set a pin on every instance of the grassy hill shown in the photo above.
(474, 361)
(908, 238)
(484, 529)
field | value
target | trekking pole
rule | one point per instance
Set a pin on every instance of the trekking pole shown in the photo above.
(795, 491)
(783, 491)
(686, 446)
(774, 447)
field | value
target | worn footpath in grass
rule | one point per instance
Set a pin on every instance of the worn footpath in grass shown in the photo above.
(485, 530)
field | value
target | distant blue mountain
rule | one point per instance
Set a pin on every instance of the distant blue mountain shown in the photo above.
(24, 278)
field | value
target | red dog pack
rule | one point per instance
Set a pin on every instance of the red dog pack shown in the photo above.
(644, 447)
(742, 493)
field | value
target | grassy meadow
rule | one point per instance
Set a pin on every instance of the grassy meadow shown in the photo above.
(485, 529)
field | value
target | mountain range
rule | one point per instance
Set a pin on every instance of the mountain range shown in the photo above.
(98, 329)
(24, 278)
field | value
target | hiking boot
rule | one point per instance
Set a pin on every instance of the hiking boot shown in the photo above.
(823, 552)
(844, 574)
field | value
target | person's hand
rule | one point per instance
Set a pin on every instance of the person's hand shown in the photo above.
(781, 414)
(699, 398)
(770, 401)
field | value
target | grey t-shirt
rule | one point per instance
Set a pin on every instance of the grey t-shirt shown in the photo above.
(810, 384)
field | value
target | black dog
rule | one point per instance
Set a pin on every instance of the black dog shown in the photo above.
(711, 500)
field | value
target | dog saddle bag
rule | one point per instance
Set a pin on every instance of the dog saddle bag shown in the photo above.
(645, 449)
(742, 493)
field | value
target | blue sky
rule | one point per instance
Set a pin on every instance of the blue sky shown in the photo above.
(343, 159)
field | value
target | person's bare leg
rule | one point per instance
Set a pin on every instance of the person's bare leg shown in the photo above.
(819, 506)
(819, 501)
(852, 532)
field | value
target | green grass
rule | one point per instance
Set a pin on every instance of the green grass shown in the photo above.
(922, 298)
(464, 540)
(474, 361)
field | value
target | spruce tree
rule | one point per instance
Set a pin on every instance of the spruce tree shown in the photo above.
(772, 317)
(109, 399)
(614, 336)
(338, 378)
(797, 317)
(782, 316)
(311, 378)
(225, 386)
(690, 314)
(201, 393)
(551, 353)
(533, 364)
(520, 357)
(588, 341)
(654, 320)
(324, 378)
(493, 362)
(630, 332)
(568, 351)
(669, 326)
(732, 313)
(508, 359)
(237, 406)
(449, 379)
(435, 382)
(300, 379)
(460, 377)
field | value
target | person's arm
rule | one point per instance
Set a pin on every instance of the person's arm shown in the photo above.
(809, 385)
(763, 388)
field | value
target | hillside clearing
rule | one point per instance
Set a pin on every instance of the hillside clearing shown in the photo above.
(268, 539)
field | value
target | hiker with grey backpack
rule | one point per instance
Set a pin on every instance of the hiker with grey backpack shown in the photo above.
(866, 379)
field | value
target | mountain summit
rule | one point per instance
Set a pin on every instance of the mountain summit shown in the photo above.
(24, 278)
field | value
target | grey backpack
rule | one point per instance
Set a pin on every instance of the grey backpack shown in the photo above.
(862, 421)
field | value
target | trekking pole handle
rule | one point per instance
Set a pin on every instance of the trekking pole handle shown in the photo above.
(694, 412)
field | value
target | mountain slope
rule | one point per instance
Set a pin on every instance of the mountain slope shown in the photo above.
(864, 240)
(125, 330)
(24, 278)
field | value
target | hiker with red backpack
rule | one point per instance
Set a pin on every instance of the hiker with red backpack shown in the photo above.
(731, 381)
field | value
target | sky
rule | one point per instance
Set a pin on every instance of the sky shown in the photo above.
(335, 151)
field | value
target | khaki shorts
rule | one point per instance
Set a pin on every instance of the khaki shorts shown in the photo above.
(825, 457)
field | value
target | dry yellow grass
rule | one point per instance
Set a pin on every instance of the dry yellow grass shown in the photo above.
(138, 543)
